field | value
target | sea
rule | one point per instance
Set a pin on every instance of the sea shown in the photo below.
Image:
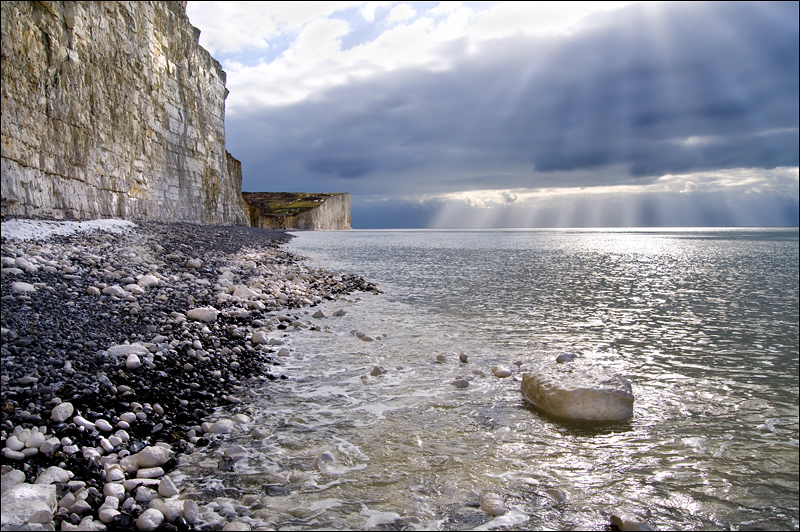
(367, 431)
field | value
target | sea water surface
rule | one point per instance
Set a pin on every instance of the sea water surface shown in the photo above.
(702, 322)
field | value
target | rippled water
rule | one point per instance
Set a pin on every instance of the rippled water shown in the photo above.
(704, 323)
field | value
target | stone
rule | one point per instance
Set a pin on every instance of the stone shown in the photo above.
(23, 501)
(123, 350)
(625, 524)
(204, 314)
(318, 314)
(153, 456)
(133, 361)
(148, 281)
(22, 288)
(150, 520)
(323, 460)
(53, 475)
(14, 443)
(571, 392)
(191, 512)
(83, 422)
(62, 412)
(114, 290)
(501, 371)
(104, 425)
(222, 426)
(566, 357)
(167, 488)
(259, 337)
(10, 479)
(460, 383)
(243, 292)
(493, 504)
(114, 489)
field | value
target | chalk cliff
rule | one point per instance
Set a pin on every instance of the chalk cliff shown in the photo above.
(297, 210)
(113, 109)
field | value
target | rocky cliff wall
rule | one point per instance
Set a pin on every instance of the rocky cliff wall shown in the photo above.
(113, 109)
(316, 212)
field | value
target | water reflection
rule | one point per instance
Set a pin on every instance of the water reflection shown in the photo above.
(704, 326)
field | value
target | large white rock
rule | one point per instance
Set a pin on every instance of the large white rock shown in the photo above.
(148, 281)
(153, 456)
(573, 392)
(22, 288)
(150, 519)
(121, 350)
(243, 292)
(52, 475)
(205, 314)
(24, 502)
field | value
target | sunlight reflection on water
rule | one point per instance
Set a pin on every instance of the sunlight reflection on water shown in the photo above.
(704, 325)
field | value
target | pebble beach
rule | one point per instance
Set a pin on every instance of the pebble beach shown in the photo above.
(121, 345)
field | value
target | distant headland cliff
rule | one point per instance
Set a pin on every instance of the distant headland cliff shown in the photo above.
(113, 109)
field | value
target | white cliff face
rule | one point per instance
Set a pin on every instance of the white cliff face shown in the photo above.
(113, 109)
(331, 215)
(573, 392)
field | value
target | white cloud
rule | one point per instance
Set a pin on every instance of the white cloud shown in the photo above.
(754, 180)
(401, 12)
(313, 59)
(368, 10)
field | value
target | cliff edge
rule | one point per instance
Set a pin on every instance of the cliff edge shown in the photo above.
(113, 109)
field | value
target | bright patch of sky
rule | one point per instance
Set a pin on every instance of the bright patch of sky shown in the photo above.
(279, 53)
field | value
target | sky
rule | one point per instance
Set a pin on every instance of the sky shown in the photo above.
(517, 114)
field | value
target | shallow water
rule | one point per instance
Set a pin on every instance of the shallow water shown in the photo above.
(704, 324)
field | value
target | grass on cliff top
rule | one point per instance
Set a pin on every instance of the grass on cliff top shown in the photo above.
(285, 203)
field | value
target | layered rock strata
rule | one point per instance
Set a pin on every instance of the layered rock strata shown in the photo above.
(296, 210)
(113, 109)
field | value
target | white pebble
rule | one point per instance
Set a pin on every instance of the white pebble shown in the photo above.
(114, 489)
(153, 456)
(103, 425)
(22, 288)
(144, 494)
(167, 488)
(83, 422)
(493, 504)
(501, 371)
(62, 412)
(150, 472)
(50, 446)
(133, 362)
(13, 443)
(150, 520)
(223, 426)
(191, 512)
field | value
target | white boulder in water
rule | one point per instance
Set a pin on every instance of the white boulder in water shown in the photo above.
(572, 392)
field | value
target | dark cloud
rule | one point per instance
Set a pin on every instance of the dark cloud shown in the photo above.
(638, 93)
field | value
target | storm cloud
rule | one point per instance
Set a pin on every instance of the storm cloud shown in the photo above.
(626, 98)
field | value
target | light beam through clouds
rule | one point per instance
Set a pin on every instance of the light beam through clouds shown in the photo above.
(517, 113)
